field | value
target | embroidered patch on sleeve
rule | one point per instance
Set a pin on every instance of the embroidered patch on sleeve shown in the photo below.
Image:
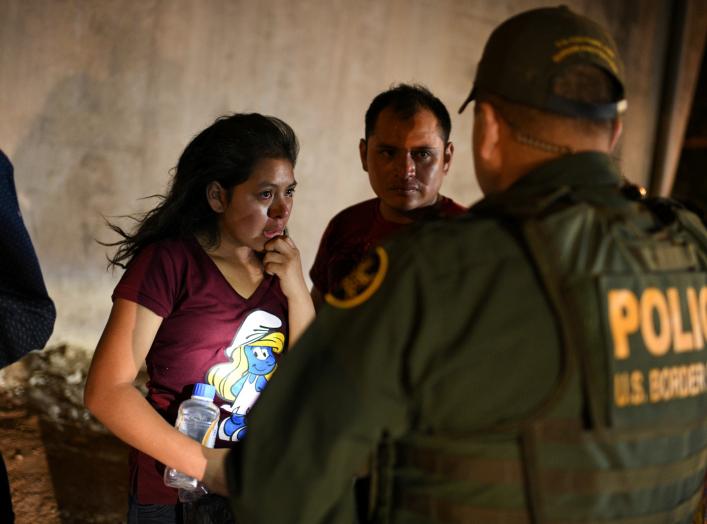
(362, 282)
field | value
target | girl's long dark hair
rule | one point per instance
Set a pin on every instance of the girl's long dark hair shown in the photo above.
(225, 152)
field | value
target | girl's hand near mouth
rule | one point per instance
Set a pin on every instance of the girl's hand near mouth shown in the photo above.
(282, 258)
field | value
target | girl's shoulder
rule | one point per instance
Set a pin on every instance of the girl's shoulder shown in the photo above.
(167, 272)
(170, 248)
(185, 245)
(169, 258)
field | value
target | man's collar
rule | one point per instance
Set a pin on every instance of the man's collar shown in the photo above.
(587, 169)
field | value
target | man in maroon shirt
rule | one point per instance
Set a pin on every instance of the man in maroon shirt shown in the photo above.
(406, 154)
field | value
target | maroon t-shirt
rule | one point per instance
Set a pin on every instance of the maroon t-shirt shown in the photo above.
(353, 232)
(209, 334)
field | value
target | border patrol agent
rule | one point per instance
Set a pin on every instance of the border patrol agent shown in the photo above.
(540, 360)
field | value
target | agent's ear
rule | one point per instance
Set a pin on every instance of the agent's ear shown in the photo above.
(216, 197)
(487, 132)
(448, 154)
(616, 130)
(487, 144)
(363, 152)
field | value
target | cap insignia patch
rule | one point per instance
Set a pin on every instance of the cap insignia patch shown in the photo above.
(362, 282)
(583, 44)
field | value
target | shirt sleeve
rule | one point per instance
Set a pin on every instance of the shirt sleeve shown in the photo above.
(27, 313)
(152, 278)
(320, 268)
(340, 389)
(450, 209)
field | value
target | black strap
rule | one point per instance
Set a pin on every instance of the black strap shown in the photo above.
(443, 510)
(454, 512)
(461, 467)
(619, 481)
(569, 431)
(554, 480)
(381, 495)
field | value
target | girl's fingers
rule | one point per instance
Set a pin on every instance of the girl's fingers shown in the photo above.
(275, 244)
(280, 244)
(274, 257)
(276, 268)
(276, 263)
(281, 256)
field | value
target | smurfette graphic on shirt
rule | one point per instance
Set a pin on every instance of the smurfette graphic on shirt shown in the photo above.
(240, 381)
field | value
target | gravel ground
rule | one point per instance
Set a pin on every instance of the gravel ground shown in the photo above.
(64, 466)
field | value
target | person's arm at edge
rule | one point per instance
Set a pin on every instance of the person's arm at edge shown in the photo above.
(27, 314)
(112, 397)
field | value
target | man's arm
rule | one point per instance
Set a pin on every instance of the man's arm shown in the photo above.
(317, 298)
(325, 410)
(318, 273)
(27, 313)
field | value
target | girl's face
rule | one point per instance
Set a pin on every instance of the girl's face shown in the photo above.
(260, 207)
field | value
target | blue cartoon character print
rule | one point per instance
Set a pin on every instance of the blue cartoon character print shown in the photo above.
(252, 355)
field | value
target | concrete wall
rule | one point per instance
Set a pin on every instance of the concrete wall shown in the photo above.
(98, 98)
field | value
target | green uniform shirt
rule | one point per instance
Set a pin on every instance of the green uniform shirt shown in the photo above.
(451, 333)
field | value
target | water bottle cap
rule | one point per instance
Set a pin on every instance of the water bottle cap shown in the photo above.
(206, 391)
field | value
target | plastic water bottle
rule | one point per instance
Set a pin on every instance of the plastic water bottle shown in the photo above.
(197, 418)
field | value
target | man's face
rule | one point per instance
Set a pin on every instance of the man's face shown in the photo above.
(406, 160)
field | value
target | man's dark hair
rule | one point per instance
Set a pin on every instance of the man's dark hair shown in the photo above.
(406, 100)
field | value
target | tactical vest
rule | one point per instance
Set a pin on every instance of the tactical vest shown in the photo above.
(623, 437)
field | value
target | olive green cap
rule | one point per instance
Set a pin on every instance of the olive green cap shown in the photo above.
(525, 53)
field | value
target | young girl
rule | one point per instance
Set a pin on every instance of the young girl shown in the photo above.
(213, 289)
